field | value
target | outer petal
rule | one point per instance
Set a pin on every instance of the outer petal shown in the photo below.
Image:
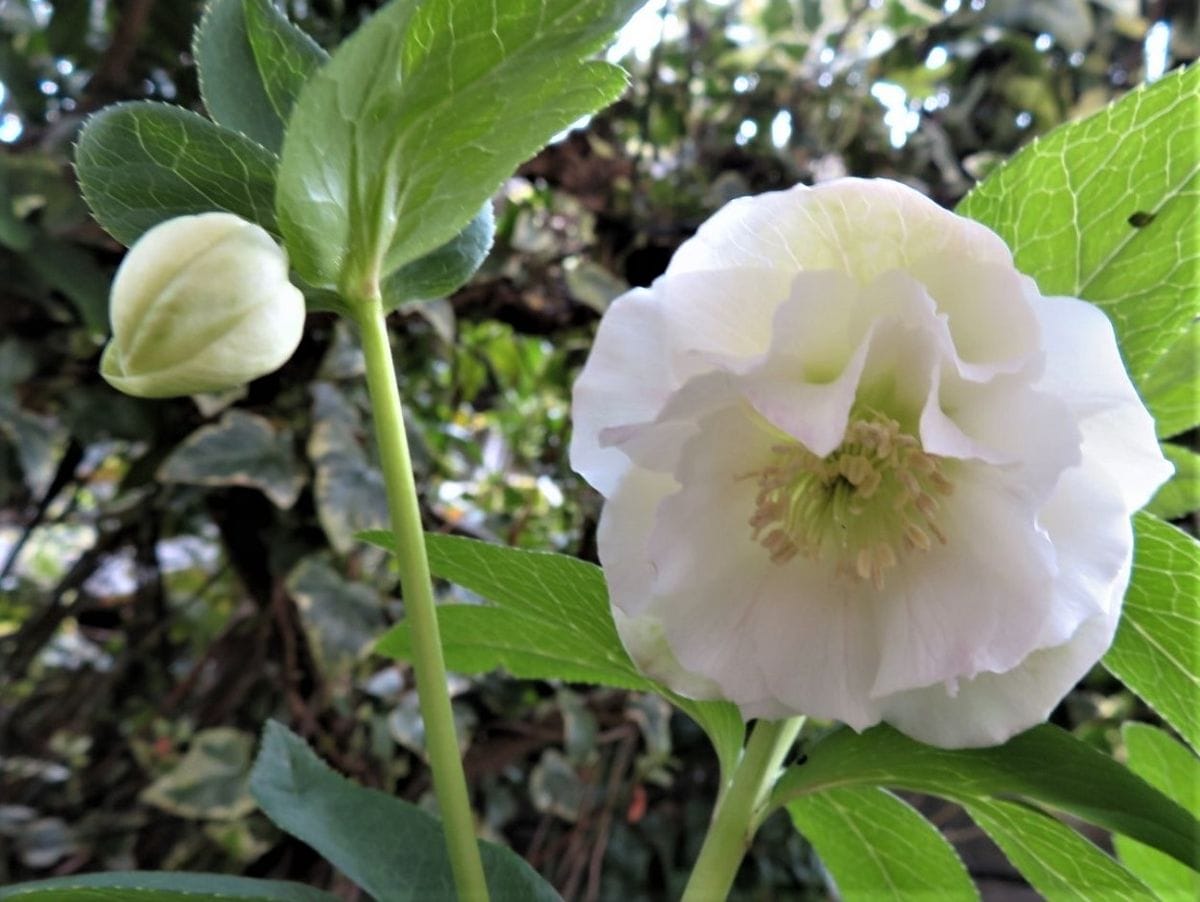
(626, 379)
(1093, 539)
(864, 227)
(1083, 367)
(650, 341)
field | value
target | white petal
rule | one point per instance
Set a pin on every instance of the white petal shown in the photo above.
(860, 226)
(1083, 367)
(992, 708)
(1094, 544)
(626, 379)
(650, 341)
(974, 604)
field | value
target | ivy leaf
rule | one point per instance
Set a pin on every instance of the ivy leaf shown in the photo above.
(1103, 209)
(252, 63)
(878, 847)
(549, 619)
(241, 449)
(1155, 652)
(1045, 765)
(390, 848)
(143, 163)
(153, 886)
(397, 142)
(1170, 767)
(1059, 863)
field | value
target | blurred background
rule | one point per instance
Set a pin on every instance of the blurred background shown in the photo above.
(174, 573)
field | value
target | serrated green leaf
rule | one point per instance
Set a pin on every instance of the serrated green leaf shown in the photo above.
(1169, 766)
(1155, 652)
(445, 269)
(286, 57)
(1104, 209)
(153, 886)
(143, 163)
(399, 140)
(393, 850)
(549, 619)
(252, 64)
(1172, 387)
(1045, 765)
(878, 847)
(240, 449)
(1059, 863)
(1180, 495)
(230, 83)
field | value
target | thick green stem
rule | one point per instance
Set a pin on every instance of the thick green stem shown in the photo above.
(739, 810)
(449, 782)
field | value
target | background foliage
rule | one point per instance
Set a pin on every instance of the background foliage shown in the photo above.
(176, 573)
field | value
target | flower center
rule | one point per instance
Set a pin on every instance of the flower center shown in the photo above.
(870, 501)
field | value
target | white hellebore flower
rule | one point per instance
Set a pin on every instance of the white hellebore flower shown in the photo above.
(857, 467)
(200, 304)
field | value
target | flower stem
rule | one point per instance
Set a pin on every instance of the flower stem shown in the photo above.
(449, 782)
(738, 812)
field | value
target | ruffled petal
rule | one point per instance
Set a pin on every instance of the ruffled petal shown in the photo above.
(626, 379)
(1093, 542)
(864, 227)
(1083, 367)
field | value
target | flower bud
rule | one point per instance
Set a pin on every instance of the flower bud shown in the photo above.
(200, 304)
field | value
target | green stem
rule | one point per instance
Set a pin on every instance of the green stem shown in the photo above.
(739, 810)
(449, 782)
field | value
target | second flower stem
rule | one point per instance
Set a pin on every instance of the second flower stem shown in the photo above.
(441, 742)
(739, 810)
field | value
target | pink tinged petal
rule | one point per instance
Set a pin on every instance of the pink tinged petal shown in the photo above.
(1084, 368)
(1093, 541)
(993, 707)
(706, 567)
(816, 642)
(975, 604)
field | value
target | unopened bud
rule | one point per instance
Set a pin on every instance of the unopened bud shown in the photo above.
(200, 304)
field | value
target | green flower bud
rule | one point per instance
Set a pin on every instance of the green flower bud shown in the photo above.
(200, 304)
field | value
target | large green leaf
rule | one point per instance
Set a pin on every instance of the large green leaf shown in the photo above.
(1180, 495)
(1155, 652)
(393, 850)
(1166, 764)
(397, 142)
(1045, 765)
(142, 163)
(152, 886)
(252, 63)
(549, 619)
(1104, 209)
(877, 847)
(444, 269)
(1059, 863)
(1170, 387)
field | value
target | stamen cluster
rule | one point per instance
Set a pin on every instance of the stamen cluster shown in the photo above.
(869, 501)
